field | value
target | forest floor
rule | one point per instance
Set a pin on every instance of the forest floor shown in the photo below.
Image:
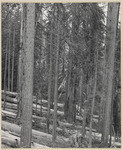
(66, 132)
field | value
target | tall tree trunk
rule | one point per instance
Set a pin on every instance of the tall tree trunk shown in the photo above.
(72, 78)
(93, 102)
(101, 109)
(27, 91)
(56, 78)
(86, 103)
(20, 69)
(63, 62)
(50, 76)
(40, 19)
(66, 106)
(112, 19)
(40, 82)
(81, 91)
(5, 71)
(9, 57)
(72, 100)
(13, 61)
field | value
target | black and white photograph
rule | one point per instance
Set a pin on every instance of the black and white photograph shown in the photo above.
(61, 75)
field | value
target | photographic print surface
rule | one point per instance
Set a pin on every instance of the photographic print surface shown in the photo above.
(61, 75)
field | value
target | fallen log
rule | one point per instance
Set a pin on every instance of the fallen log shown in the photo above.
(40, 120)
(38, 137)
(43, 127)
(66, 125)
(4, 146)
(10, 140)
(8, 93)
(11, 94)
(14, 141)
(45, 103)
(14, 94)
(63, 128)
(8, 114)
(9, 99)
(37, 122)
(10, 105)
(39, 104)
(13, 108)
(44, 111)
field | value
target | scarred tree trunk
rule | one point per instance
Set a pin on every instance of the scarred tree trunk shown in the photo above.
(27, 89)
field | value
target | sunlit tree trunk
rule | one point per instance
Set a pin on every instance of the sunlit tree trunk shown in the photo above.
(27, 89)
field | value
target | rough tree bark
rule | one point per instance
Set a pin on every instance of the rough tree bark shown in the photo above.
(112, 19)
(56, 77)
(50, 76)
(101, 109)
(27, 91)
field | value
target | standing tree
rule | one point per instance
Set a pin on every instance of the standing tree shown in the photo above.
(112, 19)
(20, 67)
(5, 70)
(13, 51)
(27, 89)
(50, 73)
(56, 76)
(9, 53)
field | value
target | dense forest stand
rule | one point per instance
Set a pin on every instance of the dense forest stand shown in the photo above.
(63, 61)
